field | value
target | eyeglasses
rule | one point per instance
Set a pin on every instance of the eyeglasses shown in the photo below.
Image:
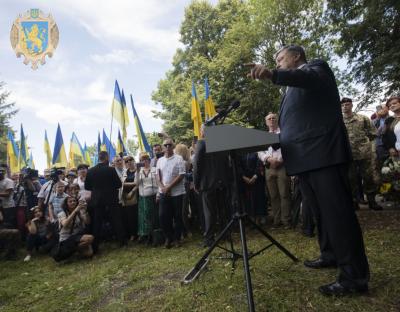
(128, 160)
(168, 145)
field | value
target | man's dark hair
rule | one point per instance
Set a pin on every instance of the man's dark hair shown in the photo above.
(82, 166)
(155, 145)
(346, 100)
(394, 97)
(295, 49)
(103, 155)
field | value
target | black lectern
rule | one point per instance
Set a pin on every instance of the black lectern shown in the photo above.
(237, 140)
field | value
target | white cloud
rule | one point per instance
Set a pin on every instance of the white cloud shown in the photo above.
(60, 104)
(139, 24)
(115, 57)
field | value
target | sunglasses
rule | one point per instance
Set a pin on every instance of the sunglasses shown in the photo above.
(167, 145)
(128, 160)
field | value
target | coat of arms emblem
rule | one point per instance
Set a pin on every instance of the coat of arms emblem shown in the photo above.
(33, 35)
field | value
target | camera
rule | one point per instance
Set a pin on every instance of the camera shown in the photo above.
(55, 172)
(159, 155)
(29, 173)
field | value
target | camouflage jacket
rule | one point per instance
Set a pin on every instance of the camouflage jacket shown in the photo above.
(361, 133)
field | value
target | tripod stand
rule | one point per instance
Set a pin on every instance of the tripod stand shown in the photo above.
(245, 140)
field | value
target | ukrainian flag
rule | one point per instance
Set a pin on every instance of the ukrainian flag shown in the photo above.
(209, 106)
(195, 113)
(31, 162)
(12, 152)
(109, 147)
(117, 107)
(100, 145)
(120, 144)
(23, 159)
(86, 153)
(47, 150)
(126, 118)
(59, 155)
(142, 140)
(76, 154)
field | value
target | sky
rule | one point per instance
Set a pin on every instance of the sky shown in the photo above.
(99, 41)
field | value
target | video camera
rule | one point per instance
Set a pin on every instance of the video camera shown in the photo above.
(29, 173)
(55, 172)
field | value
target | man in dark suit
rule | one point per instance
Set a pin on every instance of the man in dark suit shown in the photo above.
(210, 173)
(103, 181)
(315, 147)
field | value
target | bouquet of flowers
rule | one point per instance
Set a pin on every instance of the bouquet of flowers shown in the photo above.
(390, 188)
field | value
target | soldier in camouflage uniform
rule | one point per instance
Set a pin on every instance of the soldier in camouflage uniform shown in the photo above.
(361, 135)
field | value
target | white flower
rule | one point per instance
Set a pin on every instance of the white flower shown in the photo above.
(385, 170)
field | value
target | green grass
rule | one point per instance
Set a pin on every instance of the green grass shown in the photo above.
(140, 278)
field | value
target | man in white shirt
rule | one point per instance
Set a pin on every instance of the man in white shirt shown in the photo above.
(7, 201)
(170, 174)
(278, 182)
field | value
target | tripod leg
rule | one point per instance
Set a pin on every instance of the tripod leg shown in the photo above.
(195, 271)
(273, 241)
(249, 287)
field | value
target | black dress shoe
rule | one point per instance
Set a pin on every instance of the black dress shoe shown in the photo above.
(319, 264)
(337, 289)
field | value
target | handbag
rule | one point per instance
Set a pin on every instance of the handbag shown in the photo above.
(130, 198)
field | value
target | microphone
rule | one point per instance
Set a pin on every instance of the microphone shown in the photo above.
(223, 113)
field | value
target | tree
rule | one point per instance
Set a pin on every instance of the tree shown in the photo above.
(153, 138)
(219, 39)
(6, 112)
(368, 34)
(131, 147)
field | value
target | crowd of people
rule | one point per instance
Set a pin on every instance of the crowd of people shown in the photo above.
(180, 190)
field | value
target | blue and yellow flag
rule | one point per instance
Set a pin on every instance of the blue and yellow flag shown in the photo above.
(120, 145)
(126, 118)
(23, 159)
(142, 140)
(88, 159)
(195, 113)
(31, 162)
(59, 155)
(117, 108)
(47, 150)
(12, 153)
(109, 147)
(209, 107)
(76, 154)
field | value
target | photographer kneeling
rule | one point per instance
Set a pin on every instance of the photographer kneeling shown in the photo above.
(39, 236)
(73, 220)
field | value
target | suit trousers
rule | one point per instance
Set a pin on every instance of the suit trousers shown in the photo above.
(216, 211)
(118, 223)
(278, 184)
(209, 203)
(98, 219)
(340, 239)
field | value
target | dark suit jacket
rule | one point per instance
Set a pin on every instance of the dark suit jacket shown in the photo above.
(103, 181)
(209, 170)
(313, 134)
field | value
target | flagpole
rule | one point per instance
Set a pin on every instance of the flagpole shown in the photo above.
(112, 116)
